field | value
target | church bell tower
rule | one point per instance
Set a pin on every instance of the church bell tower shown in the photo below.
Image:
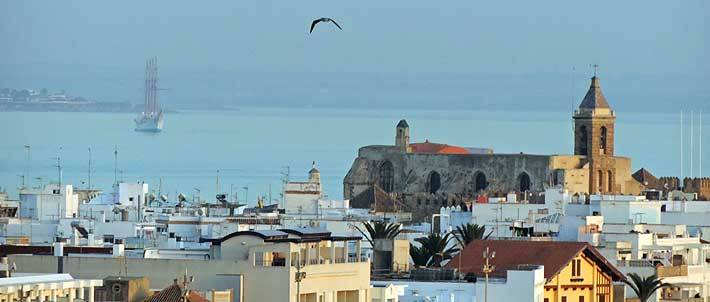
(594, 139)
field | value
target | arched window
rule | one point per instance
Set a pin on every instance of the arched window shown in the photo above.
(602, 140)
(386, 177)
(609, 181)
(600, 183)
(524, 182)
(582, 135)
(434, 182)
(480, 181)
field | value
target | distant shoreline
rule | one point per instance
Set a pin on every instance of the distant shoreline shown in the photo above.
(94, 107)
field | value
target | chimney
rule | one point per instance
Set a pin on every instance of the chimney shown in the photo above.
(58, 249)
(118, 250)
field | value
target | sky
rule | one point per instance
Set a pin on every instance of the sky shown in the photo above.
(652, 54)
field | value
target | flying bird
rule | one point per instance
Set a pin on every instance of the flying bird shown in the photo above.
(316, 21)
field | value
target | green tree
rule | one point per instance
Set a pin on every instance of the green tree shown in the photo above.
(379, 230)
(644, 287)
(437, 247)
(469, 232)
(420, 255)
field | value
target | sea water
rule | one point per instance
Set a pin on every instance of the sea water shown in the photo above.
(254, 148)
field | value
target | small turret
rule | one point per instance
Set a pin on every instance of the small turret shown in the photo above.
(314, 174)
(402, 135)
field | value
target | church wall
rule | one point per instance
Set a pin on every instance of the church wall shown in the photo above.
(457, 172)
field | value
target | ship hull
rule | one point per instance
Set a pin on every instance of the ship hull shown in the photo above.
(150, 123)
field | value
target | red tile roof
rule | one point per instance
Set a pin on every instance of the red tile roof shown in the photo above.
(428, 147)
(174, 293)
(511, 254)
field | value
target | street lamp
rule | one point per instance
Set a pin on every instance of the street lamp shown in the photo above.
(487, 269)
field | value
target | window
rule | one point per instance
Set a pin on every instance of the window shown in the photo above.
(581, 298)
(600, 183)
(602, 298)
(582, 134)
(386, 177)
(434, 182)
(480, 181)
(524, 182)
(609, 181)
(576, 268)
(602, 141)
(564, 299)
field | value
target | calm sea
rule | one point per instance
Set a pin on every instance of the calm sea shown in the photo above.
(254, 146)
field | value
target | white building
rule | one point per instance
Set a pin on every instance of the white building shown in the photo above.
(303, 197)
(51, 203)
(130, 194)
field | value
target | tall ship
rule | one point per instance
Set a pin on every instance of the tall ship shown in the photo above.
(151, 119)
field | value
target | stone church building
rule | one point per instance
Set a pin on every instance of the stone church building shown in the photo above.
(422, 177)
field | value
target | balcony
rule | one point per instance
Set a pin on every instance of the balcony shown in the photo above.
(672, 271)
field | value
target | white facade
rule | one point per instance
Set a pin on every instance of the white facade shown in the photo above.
(520, 285)
(49, 204)
(626, 209)
(425, 291)
(129, 194)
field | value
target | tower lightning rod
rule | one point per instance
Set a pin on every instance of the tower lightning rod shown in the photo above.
(700, 146)
(681, 146)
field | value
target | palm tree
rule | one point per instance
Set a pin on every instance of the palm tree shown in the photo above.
(469, 232)
(379, 230)
(436, 245)
(644, 287)
(420, 256)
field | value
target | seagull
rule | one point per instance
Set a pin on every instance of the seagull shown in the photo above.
(316, 21)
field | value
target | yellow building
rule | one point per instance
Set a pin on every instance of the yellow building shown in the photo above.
(573, 271)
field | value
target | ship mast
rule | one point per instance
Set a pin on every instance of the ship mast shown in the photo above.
(151, 86)
(146, 107)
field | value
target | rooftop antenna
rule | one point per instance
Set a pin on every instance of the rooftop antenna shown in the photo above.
(27, 173)
(700, 145)
(285, 175)
(59, 166)
(115, 164)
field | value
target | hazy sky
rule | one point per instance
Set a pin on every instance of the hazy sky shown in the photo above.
(214, 39)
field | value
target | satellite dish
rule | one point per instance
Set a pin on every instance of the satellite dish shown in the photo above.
(116, 210)
(163, 198)
(200, 212)
(151, 197)
(182, 197)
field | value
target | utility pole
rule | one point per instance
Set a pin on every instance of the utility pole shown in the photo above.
(487, 269)
(299, 277)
